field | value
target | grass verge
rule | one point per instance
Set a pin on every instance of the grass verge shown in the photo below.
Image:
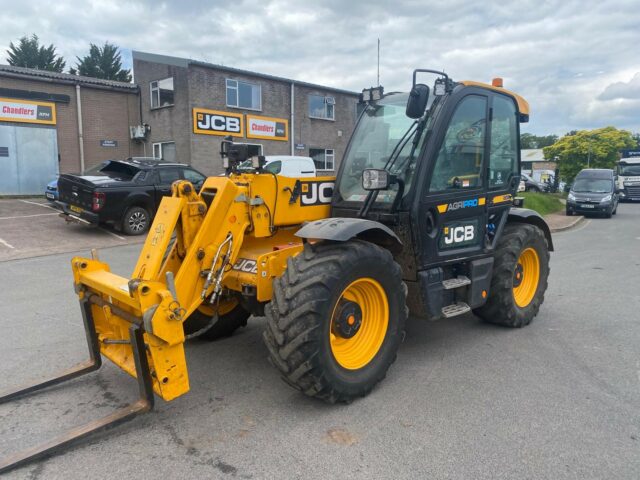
(543, 203)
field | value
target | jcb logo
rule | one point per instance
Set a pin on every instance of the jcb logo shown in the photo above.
(316, 193)
(213, 122)
(459, 234)
(246, 265)
(463, 233)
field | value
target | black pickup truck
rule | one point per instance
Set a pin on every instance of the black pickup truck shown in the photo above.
(122, 193)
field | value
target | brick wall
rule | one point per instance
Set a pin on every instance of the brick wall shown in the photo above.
(107, 115)
(320, 133)
(171, 123)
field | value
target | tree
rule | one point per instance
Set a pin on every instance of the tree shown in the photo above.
(529, 140)
(597, 148)
(102, 62)
(30, 54)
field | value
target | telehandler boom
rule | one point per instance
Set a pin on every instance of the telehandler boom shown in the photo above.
(421, 216)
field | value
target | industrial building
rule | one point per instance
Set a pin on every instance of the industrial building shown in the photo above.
(191, 106)
(56, 122)
(177, 109)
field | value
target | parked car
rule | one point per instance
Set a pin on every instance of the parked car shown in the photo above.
(286, 165)
(51, 192)
(290, 166)
(532, 185)
(122, 193)
(593, 191)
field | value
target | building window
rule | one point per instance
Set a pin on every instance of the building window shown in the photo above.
(322, 107)
(244, 95)
(324, 158)
(162, 93)
(165, 151)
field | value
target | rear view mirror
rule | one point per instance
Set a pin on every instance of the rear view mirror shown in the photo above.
(417, 103)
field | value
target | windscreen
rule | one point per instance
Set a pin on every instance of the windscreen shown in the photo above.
(629, 170)
(378, 133)
(592, 185)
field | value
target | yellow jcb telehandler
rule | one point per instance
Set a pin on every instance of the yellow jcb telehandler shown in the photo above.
(421, 217)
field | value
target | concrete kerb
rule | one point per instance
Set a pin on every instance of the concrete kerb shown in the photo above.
(574, 222)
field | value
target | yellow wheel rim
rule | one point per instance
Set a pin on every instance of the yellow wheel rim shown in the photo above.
(526, 277)
(224, 307)
(371, 321)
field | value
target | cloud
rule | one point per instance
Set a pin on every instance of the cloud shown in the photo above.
(566, 57)
(622, 90)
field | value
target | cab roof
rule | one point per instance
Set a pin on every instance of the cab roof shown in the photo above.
(523, 105)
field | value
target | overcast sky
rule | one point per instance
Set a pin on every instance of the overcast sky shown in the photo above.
(576, 62)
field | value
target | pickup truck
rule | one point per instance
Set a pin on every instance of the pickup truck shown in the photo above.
(122, 193)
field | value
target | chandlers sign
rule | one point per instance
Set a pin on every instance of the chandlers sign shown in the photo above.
(27, 111)
(215, 122)
(267, 128)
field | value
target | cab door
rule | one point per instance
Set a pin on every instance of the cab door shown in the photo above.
(503, 174)
(452, 214)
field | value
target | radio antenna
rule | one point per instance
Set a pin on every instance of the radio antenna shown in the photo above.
(378, 62)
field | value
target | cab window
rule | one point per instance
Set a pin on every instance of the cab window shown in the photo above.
(459, 162)
(503, 159)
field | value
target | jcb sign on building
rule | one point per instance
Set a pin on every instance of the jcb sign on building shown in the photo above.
(215, 122)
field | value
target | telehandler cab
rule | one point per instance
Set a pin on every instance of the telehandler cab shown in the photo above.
(421, 216)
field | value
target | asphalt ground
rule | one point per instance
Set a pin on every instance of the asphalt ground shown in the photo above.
(32, 227)
(559, 399)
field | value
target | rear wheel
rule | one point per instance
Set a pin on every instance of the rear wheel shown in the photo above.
(136, 221)
(520, 274)
(231, 316)
(336, 319)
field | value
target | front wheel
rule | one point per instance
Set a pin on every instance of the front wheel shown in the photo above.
(336, 319)
(520, 274)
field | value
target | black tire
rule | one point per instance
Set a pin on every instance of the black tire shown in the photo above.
(299, 318)
(501, 307)
(534, 189)
(136, 221)
(569, 212)
(608, 213)
(615, 210)
(224, 327)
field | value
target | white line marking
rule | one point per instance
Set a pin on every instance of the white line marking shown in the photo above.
(29, 216)
(7, 244)
(111, 233)
(38, 204)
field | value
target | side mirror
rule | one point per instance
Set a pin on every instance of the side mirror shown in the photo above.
(417, 102)
(376, 179)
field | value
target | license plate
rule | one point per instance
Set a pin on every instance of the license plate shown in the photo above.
(75, 209)
(49, 195)
(587, 206)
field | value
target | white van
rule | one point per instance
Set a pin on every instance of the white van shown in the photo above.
(290, 166)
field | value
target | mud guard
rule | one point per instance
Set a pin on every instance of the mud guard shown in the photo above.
(525, 215)
(342, 229)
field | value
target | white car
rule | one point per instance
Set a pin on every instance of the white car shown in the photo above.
(290, 166)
